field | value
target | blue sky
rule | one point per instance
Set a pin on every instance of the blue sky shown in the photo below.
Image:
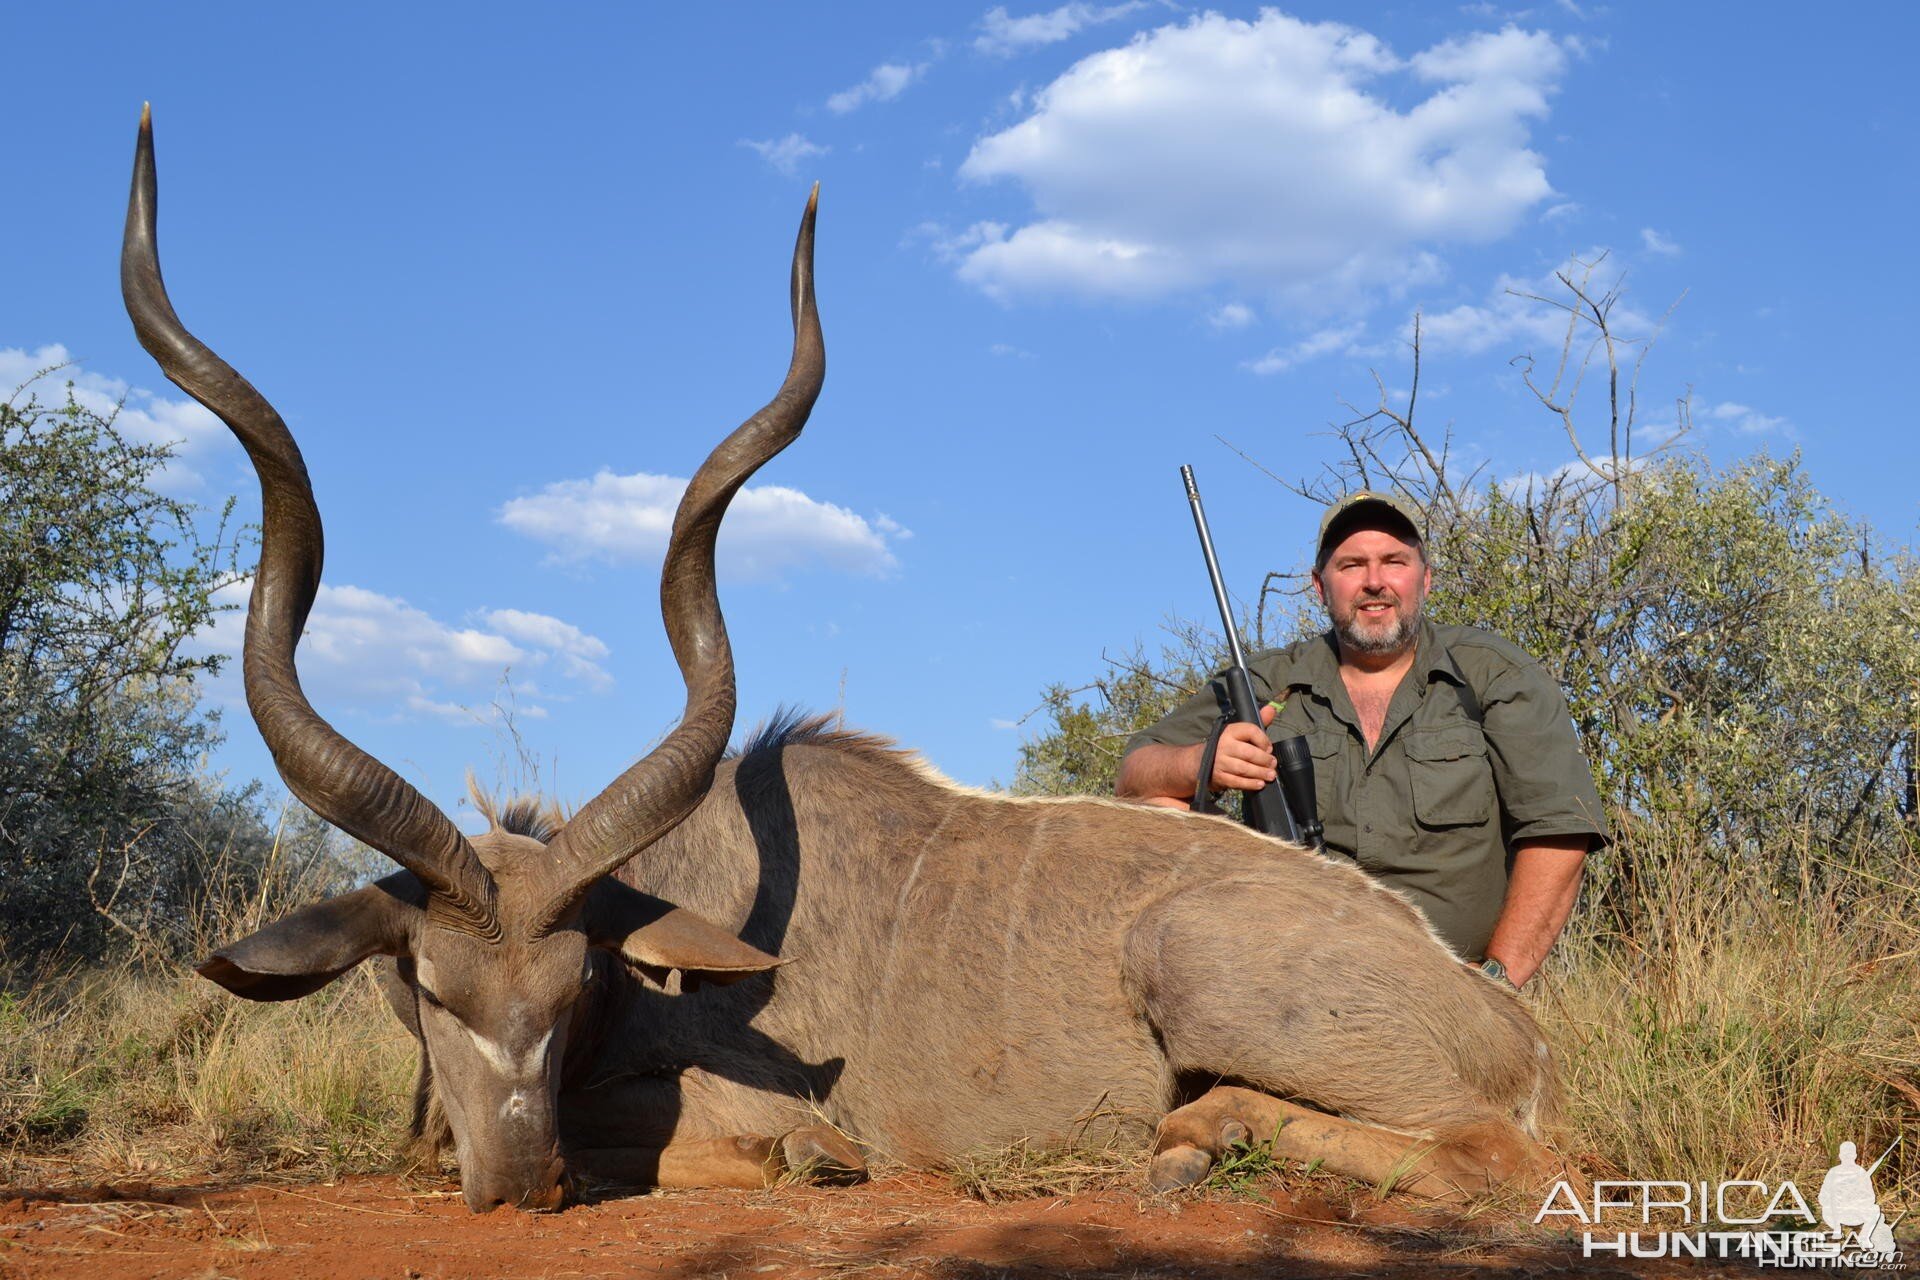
(510, 273)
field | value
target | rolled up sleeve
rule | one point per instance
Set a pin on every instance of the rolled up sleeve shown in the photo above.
(1192, 720)
(1545, 783)
(1187, 723)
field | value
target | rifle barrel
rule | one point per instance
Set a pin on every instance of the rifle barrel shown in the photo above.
(1213, 568)
(1266, 809)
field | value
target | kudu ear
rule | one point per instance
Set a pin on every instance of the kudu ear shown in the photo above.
(658, 936)
(299, 955)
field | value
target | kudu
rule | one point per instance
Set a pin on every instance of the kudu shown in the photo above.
(970, 969)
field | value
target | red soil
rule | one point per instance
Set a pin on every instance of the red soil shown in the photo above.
(909, 1225)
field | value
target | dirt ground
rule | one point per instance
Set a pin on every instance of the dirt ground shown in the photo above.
(906, 1225)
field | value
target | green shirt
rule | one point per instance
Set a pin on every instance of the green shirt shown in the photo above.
(1477, 753)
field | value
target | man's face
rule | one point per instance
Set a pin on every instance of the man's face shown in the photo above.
(1374, 584)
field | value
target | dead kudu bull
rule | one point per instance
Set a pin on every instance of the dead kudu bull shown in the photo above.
(972, 970)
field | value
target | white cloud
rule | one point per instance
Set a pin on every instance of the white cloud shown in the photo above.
(545, 631)
(769, 529)
(1502, 321)
(1322, 343)
(143, 416)
(1657, 243)
(1585, 47)
(580, 653)
(378, 654)
(372, 641)
(1574, 476)
(883, 84)
(1746, 420)
(1565, 209)
(1513, 322)
(1003, 36)
(1233, 315)
(954, 246)
(1268, 154)
(786, 154)
(468, 715)
(1064, 257)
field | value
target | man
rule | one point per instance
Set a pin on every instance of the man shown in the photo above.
(1445, 763)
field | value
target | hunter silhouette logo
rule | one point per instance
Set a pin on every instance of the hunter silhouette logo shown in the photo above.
(1848, 1205)
(1769, 1225)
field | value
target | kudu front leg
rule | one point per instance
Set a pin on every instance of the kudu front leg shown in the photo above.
(813, 1153)
(1452, 1169)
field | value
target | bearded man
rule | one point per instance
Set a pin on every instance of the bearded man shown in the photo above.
(1445, 763)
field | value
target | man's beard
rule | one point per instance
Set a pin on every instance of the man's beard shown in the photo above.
(1379, 640)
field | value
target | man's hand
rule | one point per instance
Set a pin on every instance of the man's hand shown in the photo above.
(1244, 761)
(1165, 775)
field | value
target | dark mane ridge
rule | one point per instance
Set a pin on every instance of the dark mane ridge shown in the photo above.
(519, 816)
(796, 726)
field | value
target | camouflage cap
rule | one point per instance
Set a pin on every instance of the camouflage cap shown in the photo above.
(1348, 512)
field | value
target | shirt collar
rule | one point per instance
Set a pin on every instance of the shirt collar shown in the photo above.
(1432, 658)
(1318, 668)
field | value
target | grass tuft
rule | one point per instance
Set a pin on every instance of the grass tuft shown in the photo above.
(1245, 1170)
(1025, 1171)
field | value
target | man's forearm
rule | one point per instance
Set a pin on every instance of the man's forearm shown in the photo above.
(1159, 774)
(1541, 891)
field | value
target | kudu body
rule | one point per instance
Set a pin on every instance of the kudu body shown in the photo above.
(971, 969)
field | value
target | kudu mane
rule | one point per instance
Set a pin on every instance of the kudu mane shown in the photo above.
(524, 815)
(907, 780)
(795, 726)
(541, 818)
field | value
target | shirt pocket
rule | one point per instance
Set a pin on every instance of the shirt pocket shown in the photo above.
(1452, 782)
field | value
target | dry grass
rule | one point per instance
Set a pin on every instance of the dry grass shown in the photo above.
(1024, 1171)
(1743, 1033)
(126, 1074)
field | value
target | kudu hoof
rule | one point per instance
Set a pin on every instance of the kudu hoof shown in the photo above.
(820, 1153)
(1178, 1168)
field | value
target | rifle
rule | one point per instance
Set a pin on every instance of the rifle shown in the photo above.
(1290, 811)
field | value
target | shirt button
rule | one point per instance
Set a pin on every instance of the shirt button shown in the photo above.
(1368, 828)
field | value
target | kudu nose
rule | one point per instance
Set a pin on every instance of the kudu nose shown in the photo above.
(537, 1200)
(537, 1192)
(548, 1200)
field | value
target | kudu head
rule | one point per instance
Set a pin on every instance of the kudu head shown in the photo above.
(498, 928)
